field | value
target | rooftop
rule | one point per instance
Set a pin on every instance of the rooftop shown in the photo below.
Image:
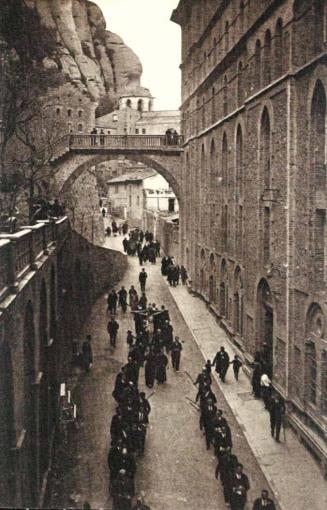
(133, 176)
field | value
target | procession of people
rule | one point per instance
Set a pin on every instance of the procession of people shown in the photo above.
(152, 348)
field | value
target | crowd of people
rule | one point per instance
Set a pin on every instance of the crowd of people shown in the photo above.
(218, 435)
(173, 271)
(115, 228)
(148, 347)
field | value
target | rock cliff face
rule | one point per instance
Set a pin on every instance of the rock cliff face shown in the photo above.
(94, 59)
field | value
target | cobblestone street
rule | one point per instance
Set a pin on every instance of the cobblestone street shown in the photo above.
(177, 472)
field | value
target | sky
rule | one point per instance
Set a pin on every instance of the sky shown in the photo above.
(145, 26)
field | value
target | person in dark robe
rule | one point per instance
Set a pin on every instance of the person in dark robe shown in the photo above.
(161, 362)
(125, 228)
(133, 298)
(176, 275)
(122, 299)
(277, 414)
(221, 363)
(157, 247)
(143, 301)
(112, 328)
(168, 335)
(126, 245)
(150, 369)
(112, 302)
(142, 279)
(256, 378)
(237, 363)
(184, 275)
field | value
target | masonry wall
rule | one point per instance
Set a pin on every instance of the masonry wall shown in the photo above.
(253, 221)
(37, 324)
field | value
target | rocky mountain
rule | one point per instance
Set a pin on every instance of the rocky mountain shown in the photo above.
(94, 58)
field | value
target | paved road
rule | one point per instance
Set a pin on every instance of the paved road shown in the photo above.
(177, 472)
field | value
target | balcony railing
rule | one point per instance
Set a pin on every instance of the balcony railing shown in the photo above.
(20, 252)
(124, 142)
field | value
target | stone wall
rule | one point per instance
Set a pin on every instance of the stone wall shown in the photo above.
(50, 277)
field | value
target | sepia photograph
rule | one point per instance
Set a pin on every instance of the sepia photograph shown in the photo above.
(163, 254)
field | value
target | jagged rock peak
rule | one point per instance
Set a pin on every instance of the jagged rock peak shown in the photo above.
(91, 56)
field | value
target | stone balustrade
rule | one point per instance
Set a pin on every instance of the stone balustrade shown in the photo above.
(20, 252)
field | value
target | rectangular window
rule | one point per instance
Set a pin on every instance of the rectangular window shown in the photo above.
(136, 131)
(143, 131)
(130, 200)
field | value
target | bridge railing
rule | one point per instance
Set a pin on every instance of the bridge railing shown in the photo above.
(20, 252)
(93, 141)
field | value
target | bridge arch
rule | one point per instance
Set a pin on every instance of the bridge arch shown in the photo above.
(73, 167)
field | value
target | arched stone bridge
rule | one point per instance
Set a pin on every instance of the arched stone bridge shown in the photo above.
(73, 154)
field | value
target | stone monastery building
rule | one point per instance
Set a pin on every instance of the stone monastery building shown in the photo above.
(253, 217)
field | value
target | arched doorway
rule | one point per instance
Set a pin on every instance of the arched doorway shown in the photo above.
(43, 395)
(212, 279)
(265, 326)
(29, 482)
(7, 434)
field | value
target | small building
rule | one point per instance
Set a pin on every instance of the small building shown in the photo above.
(138, 190)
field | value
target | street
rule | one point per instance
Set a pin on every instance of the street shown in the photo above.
(176, 472)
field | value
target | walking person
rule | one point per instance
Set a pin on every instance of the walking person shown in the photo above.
(112, 328)
(264, 502)
(87, 353)
(122, 299)
(239, 488)
(237, 363)
(161, 361)
(221, 363)
(184, 275)
(112, 302)
(142, 279)
(176, 349)
(277, 416)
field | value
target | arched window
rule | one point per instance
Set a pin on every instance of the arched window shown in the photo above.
(212, 165)
(311, 372)
(203, 112)
(128, 103)
(226, 36)
(265, 169)
(224, 165)
(265, 150)
(80, 128)
(265, 325)
(267, 59)
(213, 105)
(140, 105)
(69, 112)
(278, 49)
(58, 111)
(240, 91)
(238, 302)
(239, 161)
(257, 66)
(318, 177)
(80, 113)
(30, 417)
(318, 23)
(225, 96)
(223, 289)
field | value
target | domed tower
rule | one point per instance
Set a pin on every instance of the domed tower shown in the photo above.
(139, 100)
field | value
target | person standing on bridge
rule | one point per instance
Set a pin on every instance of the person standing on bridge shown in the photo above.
(142, 279)
(102, 136)
(94, 136)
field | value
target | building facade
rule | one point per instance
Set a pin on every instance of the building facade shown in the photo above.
(135, 116)
(253, 217)
(137, 191)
